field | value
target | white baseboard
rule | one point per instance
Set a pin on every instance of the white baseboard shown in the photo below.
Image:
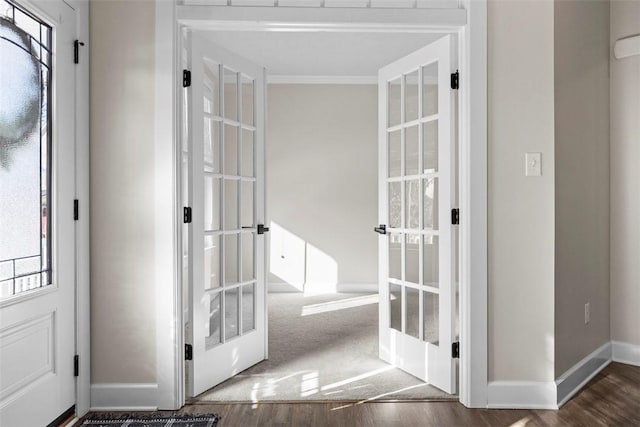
(572, 381)
(521, 395)
(626, 353)
(347, 288)
(124, 397)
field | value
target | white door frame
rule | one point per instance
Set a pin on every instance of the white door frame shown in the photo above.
(470, 23)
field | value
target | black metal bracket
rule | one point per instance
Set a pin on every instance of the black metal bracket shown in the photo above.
(186, 78)
(381, 229)
(188, 352)
(455, 216)
(76, 365)
(455, 350)
(187, 217)
(262, 229)
(455, 80)
(76, 51)
(76, 210)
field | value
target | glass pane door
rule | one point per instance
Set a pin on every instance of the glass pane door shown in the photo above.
(227, 274)
(417, 311)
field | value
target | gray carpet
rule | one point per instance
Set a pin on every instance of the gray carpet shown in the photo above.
(323, 347)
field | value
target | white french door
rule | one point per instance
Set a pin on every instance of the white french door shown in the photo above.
(227, 328)
(416, 196)
(37, 231)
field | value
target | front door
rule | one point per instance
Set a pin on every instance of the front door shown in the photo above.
(227, 323)
(416, 195)
(37, 187)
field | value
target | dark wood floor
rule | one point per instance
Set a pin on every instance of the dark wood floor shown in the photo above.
(612, 398)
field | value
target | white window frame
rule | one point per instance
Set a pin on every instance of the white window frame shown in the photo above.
(470, 22)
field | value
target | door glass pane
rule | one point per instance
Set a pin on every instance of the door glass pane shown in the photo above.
(230, 150)
(395, 256)
(212, 327)
(430, 146)
(411, 153)
(430, 261)
(247, 100)
(230, 204)
(211, 203)
(395, 204)
(230, 94)
(412, 317)
(248, 261)
(411, 89)
(430, 89)
(211, 145)
(395, 303)
(247, 204)
(248, 308)
(431, 317)
(430, 203)
(230, 259)
(395, 155)
(247, 153)
(395, 101)
(231, 312)
(412, 204)
(211, 87)
(211, 262)
(412, 258)
(25, 172)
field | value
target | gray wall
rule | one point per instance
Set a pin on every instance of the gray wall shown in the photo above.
(521, 209)
(625, 179)
(322, 168)
(581, 59)
(122, 183)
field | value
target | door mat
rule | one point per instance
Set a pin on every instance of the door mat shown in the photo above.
(201, 420)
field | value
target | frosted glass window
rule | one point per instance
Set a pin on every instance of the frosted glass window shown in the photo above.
(25, 144)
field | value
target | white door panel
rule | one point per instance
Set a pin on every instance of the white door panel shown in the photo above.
(227, 273)
(37, 305)
(416, 195)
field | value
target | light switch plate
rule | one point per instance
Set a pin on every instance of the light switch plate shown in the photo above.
(533, 164)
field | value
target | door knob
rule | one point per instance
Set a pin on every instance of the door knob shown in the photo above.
(382, 229)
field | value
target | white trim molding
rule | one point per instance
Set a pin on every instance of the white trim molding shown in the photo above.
(522, 395)
(124, 397)
(572, 381)
(623, 352)
(322, 80)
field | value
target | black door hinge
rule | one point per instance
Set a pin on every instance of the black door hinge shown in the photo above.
(455, 80)
(186, 78)
(187, 215)
(188, 352)
(76, 210)
(262, 229)
(455, 350)
(76, 51)
(76, 365)
(455, 216)
(381, 229)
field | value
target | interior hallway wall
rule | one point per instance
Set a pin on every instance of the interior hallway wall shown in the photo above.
(581, 51)
(122, 182)
(625, 178)
(521, 209)
(322, 169)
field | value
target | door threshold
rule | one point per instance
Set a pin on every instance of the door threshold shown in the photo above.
(454, 398)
